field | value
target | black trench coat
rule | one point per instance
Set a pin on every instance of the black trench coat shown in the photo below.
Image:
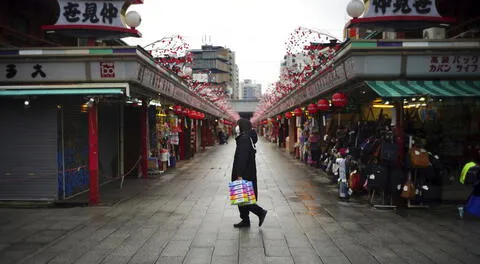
(244, 160)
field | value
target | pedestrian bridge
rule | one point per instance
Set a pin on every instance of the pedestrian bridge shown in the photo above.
(245, 108)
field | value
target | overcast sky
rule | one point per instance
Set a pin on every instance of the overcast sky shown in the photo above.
(256, 30)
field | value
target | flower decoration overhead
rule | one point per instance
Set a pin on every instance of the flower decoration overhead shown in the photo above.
(172, 52)
(307, 52)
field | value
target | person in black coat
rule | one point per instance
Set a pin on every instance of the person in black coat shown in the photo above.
(244, 167)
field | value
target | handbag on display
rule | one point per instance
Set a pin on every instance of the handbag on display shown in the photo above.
(389, 151)
(408, 190)
(418, 158)
(355, 181)
(377, 177)
(436, 162)
(396, 179)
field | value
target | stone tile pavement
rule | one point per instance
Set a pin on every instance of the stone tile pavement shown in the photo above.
(184, 217)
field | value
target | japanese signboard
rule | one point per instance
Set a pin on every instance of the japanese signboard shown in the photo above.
(41, 71)
(388, 8)
(94, 18)
(444, 65)
(88, 12)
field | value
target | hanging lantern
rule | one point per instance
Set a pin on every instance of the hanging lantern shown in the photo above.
(186, 112)
(323, 105)
(288, 115)
(312, 109)
(339, 99)
(194, 114)
(279, 117)
(298, 112)
(177, 109)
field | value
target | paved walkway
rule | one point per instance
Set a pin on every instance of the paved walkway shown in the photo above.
(184, 217)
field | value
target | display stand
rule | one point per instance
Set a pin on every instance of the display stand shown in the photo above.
(382, 206)
(409, 204)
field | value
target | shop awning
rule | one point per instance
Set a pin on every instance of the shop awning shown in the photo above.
(74, 89)
(391, 89)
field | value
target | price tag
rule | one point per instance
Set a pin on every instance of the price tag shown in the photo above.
(417, 152)
(405, 188)
(399, 187)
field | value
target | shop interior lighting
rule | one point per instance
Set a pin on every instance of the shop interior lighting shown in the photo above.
(155, 103)
(414, 99)
(387, 102)
(382, 106)
(26, 103)
(414, 105)
(422, 99)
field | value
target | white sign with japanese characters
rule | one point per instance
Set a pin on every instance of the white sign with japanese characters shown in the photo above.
(41, 71)
(91, 13)
(386, 8)
(443, 65)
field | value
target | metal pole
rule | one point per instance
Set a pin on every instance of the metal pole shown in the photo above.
(144, 138)
(94, 194)
(122, 141)
(63, 153)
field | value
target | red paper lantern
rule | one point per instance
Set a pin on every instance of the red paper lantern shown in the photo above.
(298, 112)
(186, 112)
(177, 109)
(323, 105)
(312, 109)
(279, 117)
(288, 115)
(339, 99)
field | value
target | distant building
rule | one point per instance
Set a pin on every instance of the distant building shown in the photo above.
(216, 64)
(249, 90)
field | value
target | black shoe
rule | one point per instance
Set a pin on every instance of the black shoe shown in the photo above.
(242, 224)
(261, 217)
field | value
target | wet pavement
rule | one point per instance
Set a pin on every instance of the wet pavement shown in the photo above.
(184, 216)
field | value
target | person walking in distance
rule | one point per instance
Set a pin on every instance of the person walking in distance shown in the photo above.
(244, 168)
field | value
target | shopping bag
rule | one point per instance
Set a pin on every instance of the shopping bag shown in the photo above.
(241, 193)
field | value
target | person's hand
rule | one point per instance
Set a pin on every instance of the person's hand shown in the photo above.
(239, 178)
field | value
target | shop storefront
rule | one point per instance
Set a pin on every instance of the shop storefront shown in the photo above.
(415, 95)
(60, 139)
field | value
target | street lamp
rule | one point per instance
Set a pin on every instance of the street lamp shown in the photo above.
(355, 8)
(133, 19)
